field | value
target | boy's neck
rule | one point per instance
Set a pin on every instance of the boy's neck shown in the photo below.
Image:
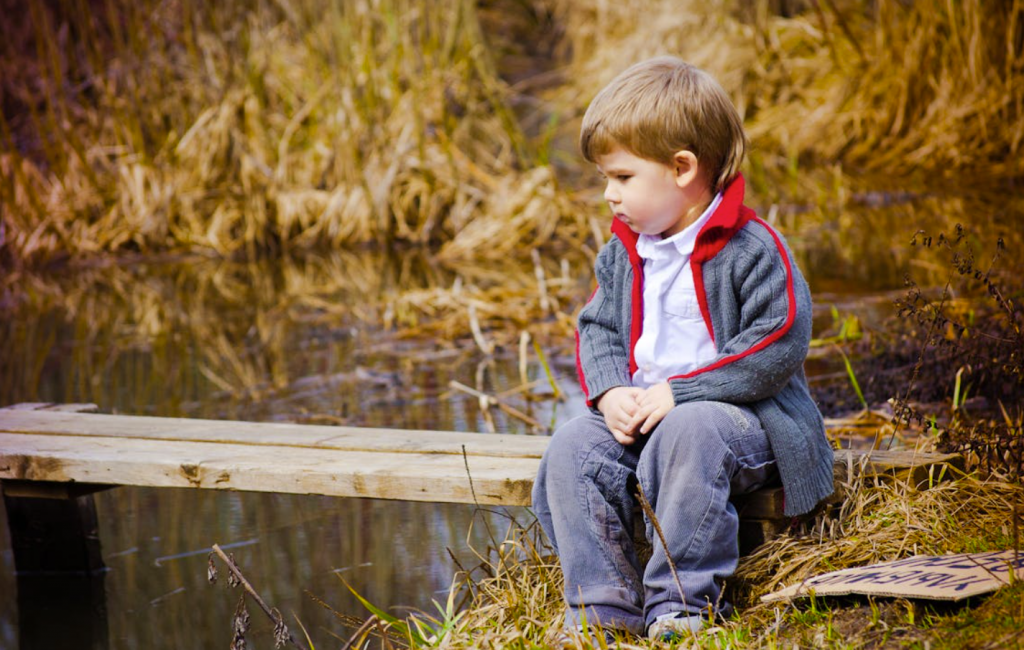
(701, 202)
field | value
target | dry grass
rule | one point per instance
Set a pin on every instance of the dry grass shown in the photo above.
(244, 129)
(879, 520)
(289, 125)
(292, 125)
(917, 91)
(898, 91)
(518, 604)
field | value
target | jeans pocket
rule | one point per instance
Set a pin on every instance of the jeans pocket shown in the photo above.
(754, 472)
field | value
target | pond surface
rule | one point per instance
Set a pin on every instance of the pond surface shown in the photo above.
(202, 339)
(301, 341)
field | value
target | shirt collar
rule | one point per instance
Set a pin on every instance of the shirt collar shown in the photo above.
(653, 247)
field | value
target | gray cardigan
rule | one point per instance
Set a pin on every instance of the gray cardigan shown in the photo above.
(758, 309)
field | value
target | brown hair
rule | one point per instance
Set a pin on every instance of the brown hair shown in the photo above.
(661, 106)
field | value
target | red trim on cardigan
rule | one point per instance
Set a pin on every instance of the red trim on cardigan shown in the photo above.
(579, 363)
(730, 216)
(774, 336)
(636, 325)
(702, 297)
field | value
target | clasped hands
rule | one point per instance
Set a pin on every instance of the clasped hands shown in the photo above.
(630, 412)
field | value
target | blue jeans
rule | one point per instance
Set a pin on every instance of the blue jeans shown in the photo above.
(699, 455)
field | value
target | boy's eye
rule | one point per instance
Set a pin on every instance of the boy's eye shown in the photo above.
(623, 177)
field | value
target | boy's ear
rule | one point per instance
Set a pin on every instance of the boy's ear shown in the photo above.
(686, 167)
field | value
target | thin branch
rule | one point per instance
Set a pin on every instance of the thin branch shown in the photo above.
(276, 618)
(488, 400)
(645, 505)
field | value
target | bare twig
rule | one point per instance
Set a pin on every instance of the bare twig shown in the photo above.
(235, 571)
(487, 347)
(645, 505)
(489, 400)
(487, 525)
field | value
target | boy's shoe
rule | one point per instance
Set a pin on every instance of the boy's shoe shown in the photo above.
(675, 626)
(575, 637)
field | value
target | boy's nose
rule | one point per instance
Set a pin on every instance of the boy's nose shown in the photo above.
(610, 195)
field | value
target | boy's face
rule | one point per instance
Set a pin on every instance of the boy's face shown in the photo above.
(646, 195)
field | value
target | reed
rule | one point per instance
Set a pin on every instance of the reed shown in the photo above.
(927, 93)
(246, 127)
(249, 128)
(924, 92)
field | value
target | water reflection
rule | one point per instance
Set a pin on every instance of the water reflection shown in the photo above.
(268, 342)
(156, 546)
(863, 245)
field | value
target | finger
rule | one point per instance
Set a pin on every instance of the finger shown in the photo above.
(652, 421)
(649, 399)
(640, 420)
(618, 424)
(622, 437)
(641, 414)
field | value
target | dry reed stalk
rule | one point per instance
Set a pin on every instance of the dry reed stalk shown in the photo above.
(286, 126)
(281, 632)
(945, 96)
(486, 401)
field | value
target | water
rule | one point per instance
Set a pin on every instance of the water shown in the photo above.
(250, 342)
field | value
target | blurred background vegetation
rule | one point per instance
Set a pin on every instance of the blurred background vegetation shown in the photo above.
(256, 127)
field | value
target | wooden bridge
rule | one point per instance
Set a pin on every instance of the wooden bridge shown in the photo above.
(53, 456)
(56, 448)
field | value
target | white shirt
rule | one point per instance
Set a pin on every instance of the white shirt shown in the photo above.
(675, 339)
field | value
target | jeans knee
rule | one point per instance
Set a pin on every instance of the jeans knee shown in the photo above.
(686, 442)
(570, 441)
(691, 425)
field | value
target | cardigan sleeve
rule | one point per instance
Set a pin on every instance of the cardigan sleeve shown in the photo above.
(769, 327)
(602, 359)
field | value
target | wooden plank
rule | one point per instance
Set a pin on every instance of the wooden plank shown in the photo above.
(26, 406)
(84, 407)
(49, 489)
(754, 532)
(267, 468)
(768, 503)
(393, 458)
(918, 467)
(400, 441)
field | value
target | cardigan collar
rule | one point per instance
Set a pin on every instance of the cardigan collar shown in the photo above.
(730, 216)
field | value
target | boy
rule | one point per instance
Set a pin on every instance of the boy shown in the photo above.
(690, 353)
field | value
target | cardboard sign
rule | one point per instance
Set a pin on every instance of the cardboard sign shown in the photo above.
(940, 577)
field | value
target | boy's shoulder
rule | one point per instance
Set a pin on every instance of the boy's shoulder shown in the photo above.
(756, 236)
(614, 251)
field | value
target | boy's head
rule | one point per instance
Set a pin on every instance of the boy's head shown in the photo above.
(661, 106)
